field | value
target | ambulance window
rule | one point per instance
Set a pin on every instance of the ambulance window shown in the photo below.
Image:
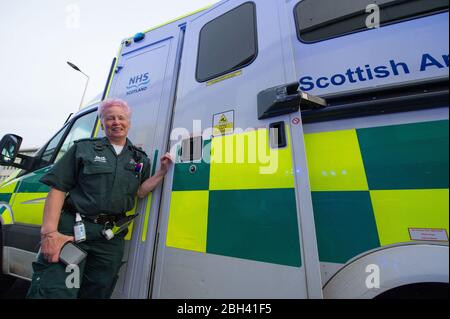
(318, 20)
(227, 43)
(51, 147)
(82, 128)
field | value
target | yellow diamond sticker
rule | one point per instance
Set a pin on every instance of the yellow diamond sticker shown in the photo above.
(223, 119)
(223, 124)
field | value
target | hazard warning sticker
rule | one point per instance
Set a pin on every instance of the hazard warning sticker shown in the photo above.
(223, 123)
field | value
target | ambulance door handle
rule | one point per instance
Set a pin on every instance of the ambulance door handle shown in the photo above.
(277, 135)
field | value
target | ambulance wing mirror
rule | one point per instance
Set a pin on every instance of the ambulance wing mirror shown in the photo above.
(9, 151)
(286, 99)
(9, 148)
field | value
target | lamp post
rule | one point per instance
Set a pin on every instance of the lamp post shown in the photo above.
(73, 66)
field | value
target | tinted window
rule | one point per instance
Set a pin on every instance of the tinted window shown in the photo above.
(323, 19)
(51, 147)
(82, 128)
(227, 43)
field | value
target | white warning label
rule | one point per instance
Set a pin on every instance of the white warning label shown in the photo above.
(428, 234)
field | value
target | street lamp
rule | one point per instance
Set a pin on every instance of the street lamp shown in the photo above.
(73, 66)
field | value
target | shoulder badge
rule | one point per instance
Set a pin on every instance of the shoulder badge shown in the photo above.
(138, 153)
(86, 140)
(96, 142)
(139, 149)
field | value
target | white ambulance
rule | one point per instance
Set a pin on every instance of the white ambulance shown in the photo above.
(311, 146)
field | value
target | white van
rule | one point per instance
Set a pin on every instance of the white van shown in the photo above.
(311, 153)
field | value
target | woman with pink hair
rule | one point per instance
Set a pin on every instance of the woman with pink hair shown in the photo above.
(92, 187)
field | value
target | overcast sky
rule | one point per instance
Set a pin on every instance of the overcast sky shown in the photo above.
(38, 89)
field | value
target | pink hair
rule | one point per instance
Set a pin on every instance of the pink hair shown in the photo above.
(113, 102)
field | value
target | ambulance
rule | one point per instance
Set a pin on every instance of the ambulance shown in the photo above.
(311, 146)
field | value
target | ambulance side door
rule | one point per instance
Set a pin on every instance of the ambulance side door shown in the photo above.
(230, 225)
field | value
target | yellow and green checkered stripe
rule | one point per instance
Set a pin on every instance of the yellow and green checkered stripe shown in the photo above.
(6, 192)
(369, 186)
(227, 207)
(29, 198)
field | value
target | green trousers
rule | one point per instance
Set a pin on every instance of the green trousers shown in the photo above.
(98, 272)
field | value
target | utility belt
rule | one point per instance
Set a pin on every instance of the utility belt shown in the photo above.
(100, 219)
(113, 224)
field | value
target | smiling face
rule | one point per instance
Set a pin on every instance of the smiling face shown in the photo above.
(116, 123)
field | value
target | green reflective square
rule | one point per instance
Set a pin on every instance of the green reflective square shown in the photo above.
(412, 156)
(193, 176)
(345, 225)
(184, 179)
(258, 225)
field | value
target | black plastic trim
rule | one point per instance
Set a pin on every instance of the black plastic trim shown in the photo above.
(400, 98)
(111, 71)
(22, 237)
(281, 142)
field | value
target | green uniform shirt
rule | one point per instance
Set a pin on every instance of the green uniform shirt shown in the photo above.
(98, 180)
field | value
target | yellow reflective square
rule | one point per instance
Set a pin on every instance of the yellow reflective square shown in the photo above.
(147, 215)
(246, 161)
(335, 162)
(188, 220)
(398, 210)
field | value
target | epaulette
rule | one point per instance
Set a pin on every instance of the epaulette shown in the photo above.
(88, 140)
(138, 153)
(96, 142)
(139, 149)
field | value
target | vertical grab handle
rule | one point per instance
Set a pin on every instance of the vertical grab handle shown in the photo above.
(277, 135)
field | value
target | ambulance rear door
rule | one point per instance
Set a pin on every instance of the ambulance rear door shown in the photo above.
(145, 76)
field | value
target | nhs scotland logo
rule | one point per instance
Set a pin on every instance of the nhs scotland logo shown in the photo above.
(138, 83)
